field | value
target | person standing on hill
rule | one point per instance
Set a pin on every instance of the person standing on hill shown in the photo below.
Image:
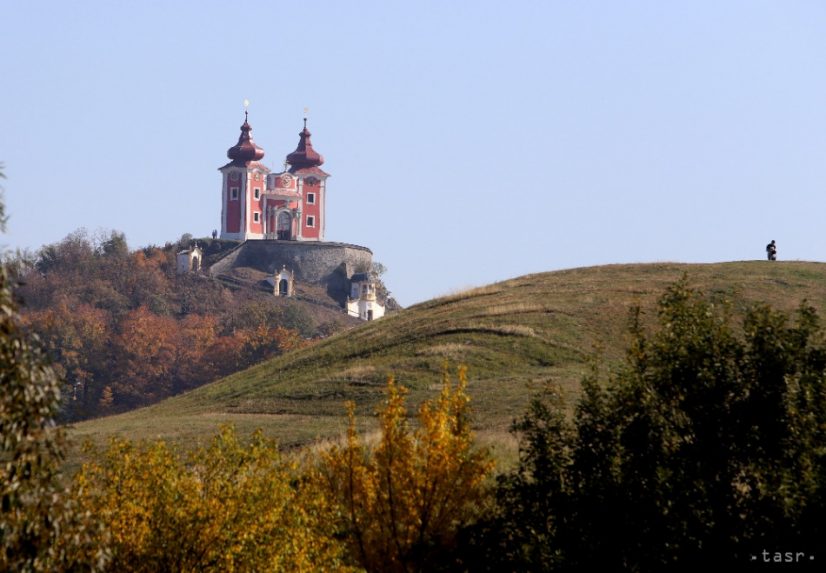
(771, 251)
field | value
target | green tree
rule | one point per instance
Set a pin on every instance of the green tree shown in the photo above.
(39, 527)
(706, 449)
(113, 244)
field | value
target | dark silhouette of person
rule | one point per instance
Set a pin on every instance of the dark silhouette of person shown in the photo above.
(771, 251)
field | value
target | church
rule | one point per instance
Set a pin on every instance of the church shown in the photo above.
(258, 204)
(278, 219)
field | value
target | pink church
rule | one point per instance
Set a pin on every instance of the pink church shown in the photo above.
(258, 204)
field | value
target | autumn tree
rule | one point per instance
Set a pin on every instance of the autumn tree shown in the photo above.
(262, 342)
(77, 339)
(124, 329)
(230, 506)
(400, 503)
(145, 358)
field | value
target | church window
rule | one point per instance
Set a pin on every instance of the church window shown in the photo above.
(256, 217)
(310, 221)
(258, 193)
(233, 193)
(311, 198)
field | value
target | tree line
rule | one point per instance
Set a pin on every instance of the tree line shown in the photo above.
(124, 330)
(705, 449)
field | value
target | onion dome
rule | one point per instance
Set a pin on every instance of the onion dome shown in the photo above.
(304, 155)
(245, 150)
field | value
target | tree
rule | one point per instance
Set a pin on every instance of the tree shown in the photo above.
(378, 268)
(77, 338)
(113, 244)
(400, 505)
(263, 342)
(185, 241)
(127, 321)
(74, 254)
(39, 529)
(230, 506)
(705, 450)
(146, 353)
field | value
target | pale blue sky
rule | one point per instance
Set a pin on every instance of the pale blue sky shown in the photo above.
(468, 142)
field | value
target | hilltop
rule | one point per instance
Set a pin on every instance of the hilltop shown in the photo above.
(514, 336)
(125, 328)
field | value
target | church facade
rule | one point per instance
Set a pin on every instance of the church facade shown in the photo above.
(259, 204)
(279, 219)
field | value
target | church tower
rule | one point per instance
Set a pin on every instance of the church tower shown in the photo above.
(296, 196)
(242, 192)
(286, 206)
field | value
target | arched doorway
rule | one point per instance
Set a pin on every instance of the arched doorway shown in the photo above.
(284, 287)
(283, 226)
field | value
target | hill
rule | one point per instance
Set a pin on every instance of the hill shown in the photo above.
(513, 335)
(125, 329)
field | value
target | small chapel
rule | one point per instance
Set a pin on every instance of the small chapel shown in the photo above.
(280, 218)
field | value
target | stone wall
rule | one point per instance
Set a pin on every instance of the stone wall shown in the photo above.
(328, 264)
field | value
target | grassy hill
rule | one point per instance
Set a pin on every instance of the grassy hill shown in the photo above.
(513, 335)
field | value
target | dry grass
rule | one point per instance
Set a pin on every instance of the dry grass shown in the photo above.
(452, 350)
(357, 372)
(513, 336)
(513, 308)
(465, 293)
(502, 445)
(516, 329)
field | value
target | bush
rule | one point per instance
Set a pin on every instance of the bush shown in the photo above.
(706, 449)
(227, 507)
(400, 505)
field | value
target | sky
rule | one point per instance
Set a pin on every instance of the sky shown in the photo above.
(468, 141)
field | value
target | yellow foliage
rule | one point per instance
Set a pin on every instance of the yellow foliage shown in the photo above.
(400, 504)
(227, 507)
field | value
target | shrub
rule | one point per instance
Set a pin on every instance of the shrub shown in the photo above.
(400, 504)
(707, 448)
(226, 507)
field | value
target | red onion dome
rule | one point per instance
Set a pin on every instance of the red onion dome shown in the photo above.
(304, 155)
(245, 150)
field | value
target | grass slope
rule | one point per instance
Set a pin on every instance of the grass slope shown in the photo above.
(513, 335)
